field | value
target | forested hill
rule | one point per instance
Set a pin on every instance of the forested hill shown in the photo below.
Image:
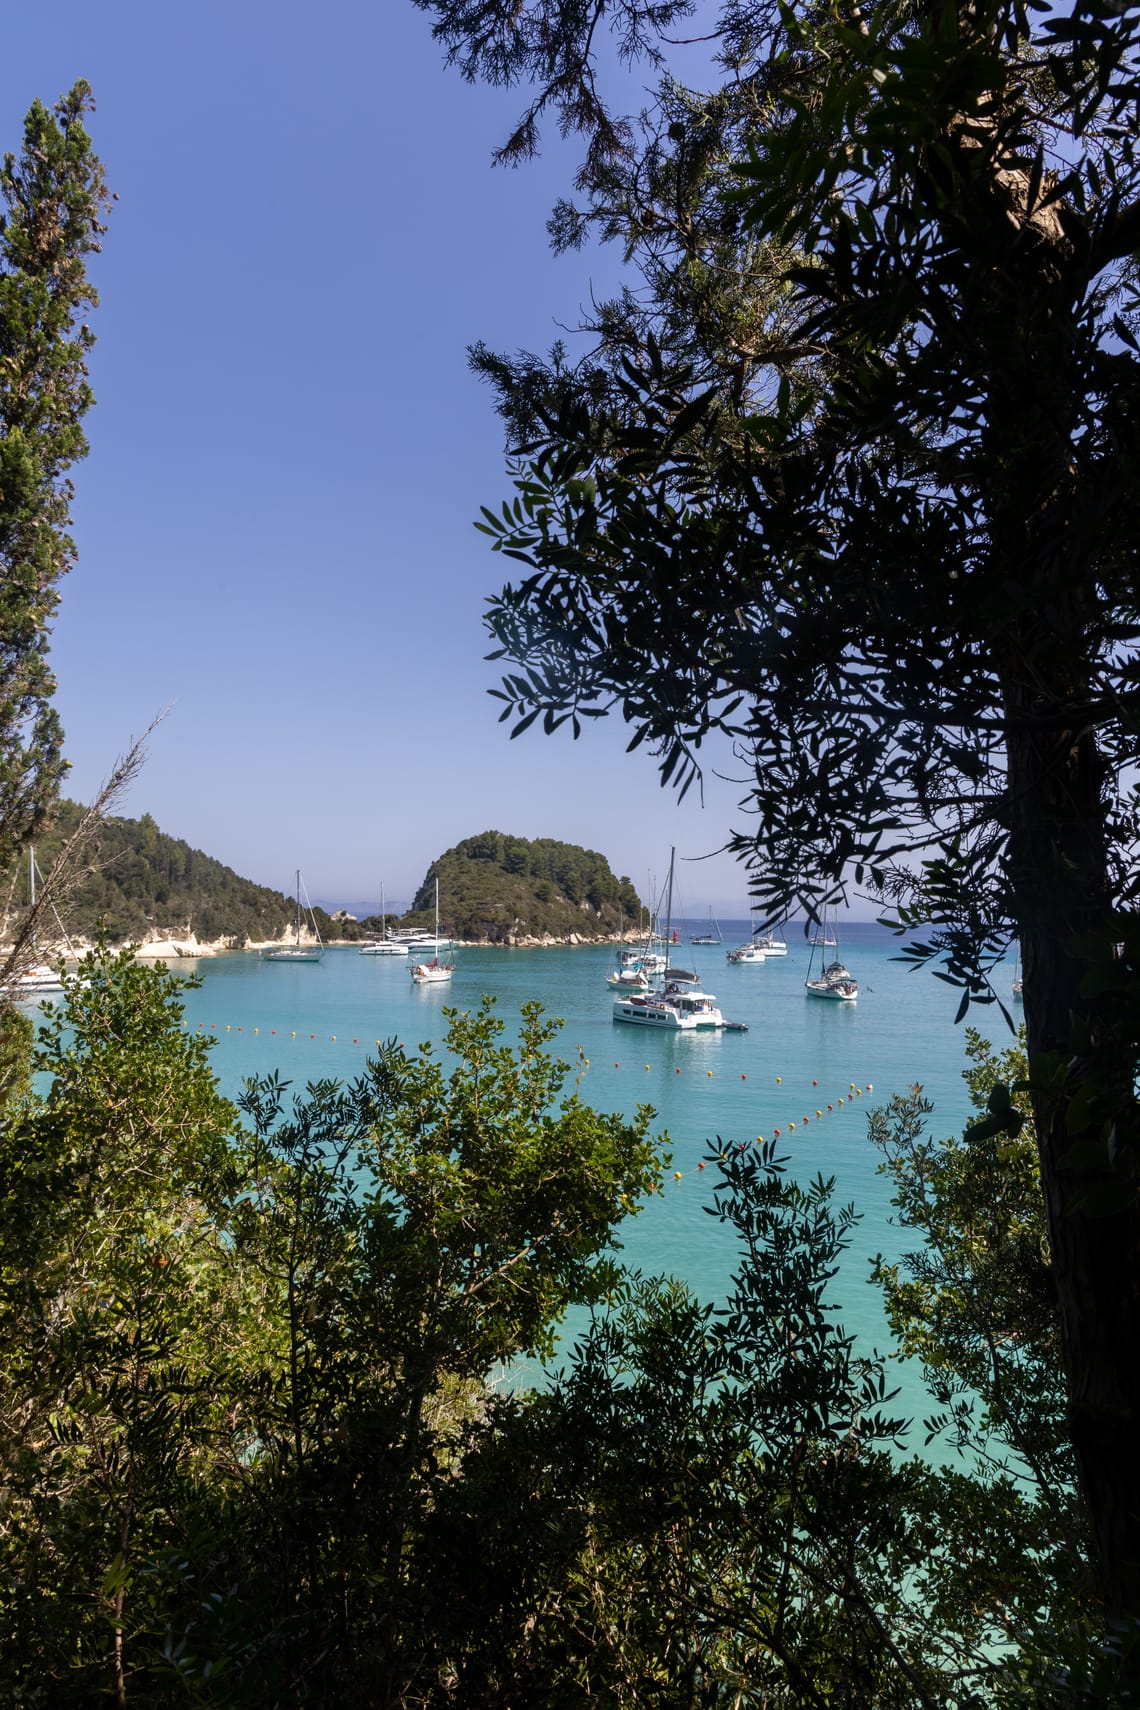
(500, 888)
(145, 884)
(142, 884)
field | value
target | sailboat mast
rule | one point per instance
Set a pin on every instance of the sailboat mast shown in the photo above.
(669, 908)
(297, 913)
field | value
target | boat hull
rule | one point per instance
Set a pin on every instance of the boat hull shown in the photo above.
(427, 974)
(832, 993)
(665, 1018)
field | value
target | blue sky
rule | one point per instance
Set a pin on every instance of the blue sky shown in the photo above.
(275, 521)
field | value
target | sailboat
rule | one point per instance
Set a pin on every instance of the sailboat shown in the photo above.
(750, 951)
(712, 936)
(38, 980)
(433, 972)
(771, 945)
(386, 946)
(833, 980)
(298, 952)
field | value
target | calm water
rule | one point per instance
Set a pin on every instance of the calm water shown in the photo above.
(799, 1057)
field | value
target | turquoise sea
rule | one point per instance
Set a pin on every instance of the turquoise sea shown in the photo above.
(808, 1068)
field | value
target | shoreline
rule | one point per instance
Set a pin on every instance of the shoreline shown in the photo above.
(186, 947)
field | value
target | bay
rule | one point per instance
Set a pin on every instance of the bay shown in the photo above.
(809, 1069)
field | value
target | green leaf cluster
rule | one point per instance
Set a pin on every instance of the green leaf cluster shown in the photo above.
(54, 197)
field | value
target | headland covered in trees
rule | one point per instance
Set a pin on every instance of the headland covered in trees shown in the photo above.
(144, 887)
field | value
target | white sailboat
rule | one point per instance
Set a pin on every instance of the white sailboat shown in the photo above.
(37, 980)
(750, 951)
(770, 943)
(833, 981)
(434, 972)
(297, 951)
(385, 946)
(714, 935)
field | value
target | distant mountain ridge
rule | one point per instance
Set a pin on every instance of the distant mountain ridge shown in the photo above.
(147, 885)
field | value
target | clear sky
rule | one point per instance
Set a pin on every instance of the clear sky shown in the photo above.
(275, 520)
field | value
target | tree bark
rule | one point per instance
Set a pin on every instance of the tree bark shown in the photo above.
(1059, 872)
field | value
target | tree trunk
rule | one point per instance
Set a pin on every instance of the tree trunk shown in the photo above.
(1077, 1047)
